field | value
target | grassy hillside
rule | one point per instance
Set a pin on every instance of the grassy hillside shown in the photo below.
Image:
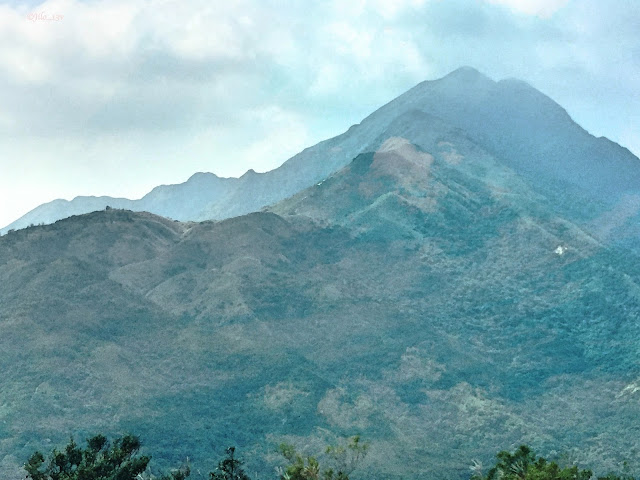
(430, 301)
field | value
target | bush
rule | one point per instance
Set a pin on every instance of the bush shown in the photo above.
(523, 465)
(100, 460)
(345, 458)
(229, 469)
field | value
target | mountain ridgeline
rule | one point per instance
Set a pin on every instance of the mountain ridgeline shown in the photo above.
(526, 130)
(454, 275)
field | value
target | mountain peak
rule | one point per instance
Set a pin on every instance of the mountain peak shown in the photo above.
(526, 129)
(466, 74)
(202, 176)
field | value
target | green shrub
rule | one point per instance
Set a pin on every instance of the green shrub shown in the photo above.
(345, 459)
(524, 465)
(100, 460)
(229, 469)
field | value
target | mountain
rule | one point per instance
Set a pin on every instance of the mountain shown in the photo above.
(180, 202)
(440, 298)
(512, 120)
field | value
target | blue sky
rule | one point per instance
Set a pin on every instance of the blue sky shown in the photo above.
(115, 97)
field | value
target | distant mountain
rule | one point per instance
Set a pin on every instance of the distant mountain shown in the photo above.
(184, 201)
(458, 286)
(512, 120)
(429, 295)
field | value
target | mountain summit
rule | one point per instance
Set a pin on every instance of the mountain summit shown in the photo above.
(523, 127)
(467, 74)
(455, 280)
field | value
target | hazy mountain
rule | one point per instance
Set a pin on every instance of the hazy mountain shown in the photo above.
(183, 201)
(524, 128)
(440, 298)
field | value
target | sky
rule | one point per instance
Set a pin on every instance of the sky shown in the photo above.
(115, 97)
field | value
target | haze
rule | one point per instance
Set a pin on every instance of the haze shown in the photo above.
(114, 98)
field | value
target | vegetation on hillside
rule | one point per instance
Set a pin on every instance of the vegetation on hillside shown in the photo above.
(344, 458)
(120, 460)
(101, 459)
(523, 464)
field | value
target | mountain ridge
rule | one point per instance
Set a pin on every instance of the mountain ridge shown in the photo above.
(465, 98)
(412, 295)
(433, 294)
(415, 294)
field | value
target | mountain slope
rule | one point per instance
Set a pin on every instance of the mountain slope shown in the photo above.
(180, 202)
(510, 119)
(428, 297)
(526, 129)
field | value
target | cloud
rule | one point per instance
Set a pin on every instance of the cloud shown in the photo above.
(226, 86)
(275, 134)
(162, 65)
(540, 8)
(389, 9)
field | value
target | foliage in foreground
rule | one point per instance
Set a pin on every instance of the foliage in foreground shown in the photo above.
(346, 460)
(230, 468)
(100, 460)
(120, 460)
(524, 465)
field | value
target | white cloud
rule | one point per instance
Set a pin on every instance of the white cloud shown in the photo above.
(357, 58)
(203, 30)
(116, 35)
(227, 86)
(389, 9)
(23, 47)
(101, 30)
(286, 136)
(540, 8)
(50, 41)
(347, 40)
(266, 136)
(329, 80)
